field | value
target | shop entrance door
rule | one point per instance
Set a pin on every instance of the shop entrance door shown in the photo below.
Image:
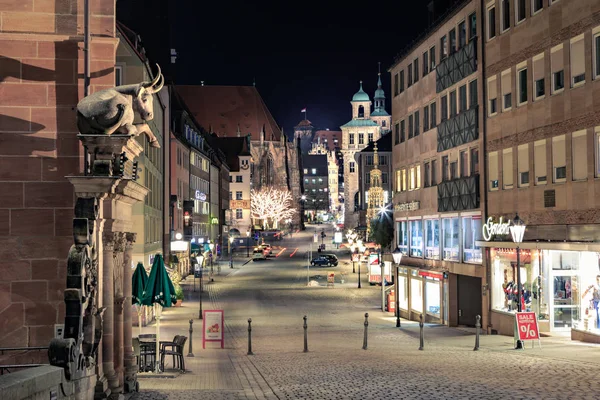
(469, 299)
(565, 300)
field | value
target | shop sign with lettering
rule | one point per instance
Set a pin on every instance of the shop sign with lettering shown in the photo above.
(491, 228)
(200, 196)
(412, 206)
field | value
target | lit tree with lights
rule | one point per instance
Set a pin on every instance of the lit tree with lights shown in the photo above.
(271, 205)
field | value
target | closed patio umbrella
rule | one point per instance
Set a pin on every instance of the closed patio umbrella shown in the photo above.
(159, 292)
(139, 280)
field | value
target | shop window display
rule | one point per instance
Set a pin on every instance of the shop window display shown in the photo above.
(451, 231)
(416, 238)
(416, 295)
(402, 232)
(432, 297)
(402, 289)
(432, 238)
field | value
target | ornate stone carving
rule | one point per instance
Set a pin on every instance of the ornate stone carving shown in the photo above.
(77, 352)
(113, 110)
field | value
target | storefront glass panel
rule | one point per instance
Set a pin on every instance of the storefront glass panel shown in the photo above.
(451, 231)
(403, 292)
(416, 295)
(432, 297)
(432, 238)
(402, 235)
(416, 238)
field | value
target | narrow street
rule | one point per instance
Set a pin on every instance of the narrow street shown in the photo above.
(275, 295)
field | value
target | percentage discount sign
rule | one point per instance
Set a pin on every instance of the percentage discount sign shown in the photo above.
(529, 333)
(527, 325)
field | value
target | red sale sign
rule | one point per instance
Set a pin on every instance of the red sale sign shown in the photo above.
(527, 326)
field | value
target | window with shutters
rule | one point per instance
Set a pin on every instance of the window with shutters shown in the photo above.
(523, 165)
(559, 162)
(577, 61)
(539, 89)
(493, 170)
(506, 83)
(492, 96)
(579, 155)
(557, 66)
(507, 169)
(539, 162)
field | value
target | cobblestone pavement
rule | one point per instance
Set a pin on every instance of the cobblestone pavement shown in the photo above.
(275, 296)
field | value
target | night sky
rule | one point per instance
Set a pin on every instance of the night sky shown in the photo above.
(302, 54)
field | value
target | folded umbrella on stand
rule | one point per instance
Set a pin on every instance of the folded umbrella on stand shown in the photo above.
(159, 292)
(139, 280)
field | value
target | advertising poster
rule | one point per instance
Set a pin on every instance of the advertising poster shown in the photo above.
(212, 327)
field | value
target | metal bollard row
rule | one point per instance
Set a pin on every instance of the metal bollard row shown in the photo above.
(250, 353)
(366, 327)
(477, 329)
(190, 354)
(421, 334)
(305, 335)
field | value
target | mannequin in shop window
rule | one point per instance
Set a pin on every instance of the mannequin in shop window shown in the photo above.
(511, 291)
(594, 300)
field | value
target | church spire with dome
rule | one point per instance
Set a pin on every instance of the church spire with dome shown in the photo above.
(379, 109)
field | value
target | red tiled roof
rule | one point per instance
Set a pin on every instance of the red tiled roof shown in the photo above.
(330, 136)
(304, 122)
(223, 108)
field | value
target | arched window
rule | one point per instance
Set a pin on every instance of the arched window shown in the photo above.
(361, 112)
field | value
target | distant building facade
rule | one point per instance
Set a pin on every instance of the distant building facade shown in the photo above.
(316, 185)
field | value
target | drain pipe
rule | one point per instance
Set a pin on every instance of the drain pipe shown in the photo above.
(86, 47)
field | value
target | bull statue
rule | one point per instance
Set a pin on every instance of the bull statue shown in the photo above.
(112, 110)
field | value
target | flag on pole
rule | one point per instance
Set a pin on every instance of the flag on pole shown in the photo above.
(303, 110)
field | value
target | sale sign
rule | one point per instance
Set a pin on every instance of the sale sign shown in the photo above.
(212, 326)
(527, 326)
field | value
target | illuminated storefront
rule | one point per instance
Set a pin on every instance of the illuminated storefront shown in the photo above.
(422, 292)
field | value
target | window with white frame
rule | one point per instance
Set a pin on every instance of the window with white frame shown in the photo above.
(559, 162)
(239, 214)
(520, 9)
(118, 75)
(418, 176)
(413, 180)
(352, 166)
(505, 15)
(506, 84)
(507, 169)
(238, 195)
(402, 236)
(596, 53)
(416, 238)
(539, 89)
(491, 22)
(557, 68)
(522, 83)
(536, 6)
(493, 168)
(577, 61)
(450, 228)
(404, 180)
(539, 162)
(492, 96)
(579, 155)
(471, 228)
(432, 239)
(523, 165)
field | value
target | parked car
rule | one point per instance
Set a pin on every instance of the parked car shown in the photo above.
(322, 261)
(332, 258)
(258, 254)
(268, 248)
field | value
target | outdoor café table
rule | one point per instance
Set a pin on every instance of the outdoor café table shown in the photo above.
(148, 348)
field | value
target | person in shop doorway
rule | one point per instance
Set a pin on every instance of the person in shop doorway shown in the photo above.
(595, 301)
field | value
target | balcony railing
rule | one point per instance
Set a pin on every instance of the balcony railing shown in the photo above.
(459, 194)
(457, 66)
(460, 129)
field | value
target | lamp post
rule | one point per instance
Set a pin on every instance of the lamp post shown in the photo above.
(231, 239)
(248, 243)
(352, 251)
(397, 255)
(517, 230)
(361, 249)
(211, 246)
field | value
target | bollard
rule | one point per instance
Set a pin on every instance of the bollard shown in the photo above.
(305, 335)
(421, 337)
(190, 354)
(250, 353)
(366, 327)
(477, 329)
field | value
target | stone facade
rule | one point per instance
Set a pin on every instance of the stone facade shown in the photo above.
(42, 66)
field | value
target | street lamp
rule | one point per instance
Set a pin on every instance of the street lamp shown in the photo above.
(397, 255)
(361, 249)
(352, 250)
(247, 242)
(231, 239)
(517, 230)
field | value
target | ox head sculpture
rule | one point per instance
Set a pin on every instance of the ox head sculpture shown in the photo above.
(142, 102)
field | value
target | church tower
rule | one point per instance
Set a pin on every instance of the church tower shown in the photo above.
(304, 131)
(379, 115)
(375, 194)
